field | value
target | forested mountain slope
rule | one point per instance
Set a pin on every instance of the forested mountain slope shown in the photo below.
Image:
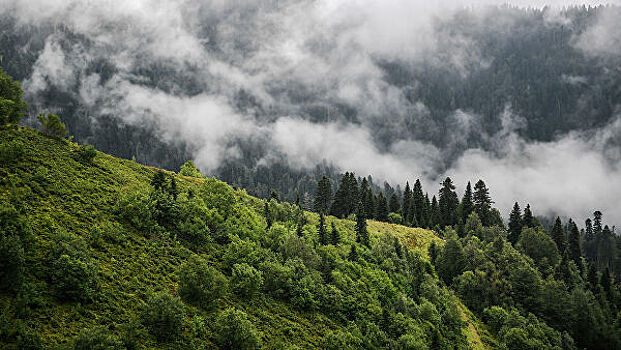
(98, 250)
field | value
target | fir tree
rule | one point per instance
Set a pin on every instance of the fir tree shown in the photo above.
(482, 202)
(159, 180)
(382, 208)
(364, 197)
(172, 189)
(528, 220)
(589, 229)
(467, 203)
(435, 216)
(448, 202)
(515, 224)
(353, 254)
(335, 236)
(406, 205)
(597, 222)
(394, 205)
(362, 235)
(268, 215)
(605, 282)
(433, 252)
(300, 229)
(339, 205)
(398, 248)
(574, 245)
(418, 204)
(321, 230)
(370, 205)
(323, 196)
(592, 278)
(558, 234)
(274, 195)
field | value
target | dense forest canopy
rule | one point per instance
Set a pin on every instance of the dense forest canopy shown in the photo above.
(264, 97)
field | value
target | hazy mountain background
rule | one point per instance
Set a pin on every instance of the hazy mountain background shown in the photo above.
(271, 94)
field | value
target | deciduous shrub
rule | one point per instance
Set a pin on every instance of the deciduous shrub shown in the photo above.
(233, 330)
(200, 283)
(246, 280)
(163, 316)
(11, 262)
(74, 278)
(86, 154)
(98, 338)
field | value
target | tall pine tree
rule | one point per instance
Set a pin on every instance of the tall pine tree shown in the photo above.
(528, 220)
(418, 204)
(515, 224)
(323, 195)
(467, 203)
(482, 203)
(394, 205)
(382, 208)
(406, 205)
(321, 230)
(558, 234)
(362, 235)
(335, 236)
(448, 202)
(574, 245)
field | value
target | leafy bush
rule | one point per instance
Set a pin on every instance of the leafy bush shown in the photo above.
(246, 280)
(395, 218)
(11, 152)
(52, 125)
(86, 154)
(98, 338)
(233, 330)
(11, 262)
(163, 316)
(243, 251)
(28, 339)
(200, 283)
(74, 278)
(275, 278)
(340, 340)
(12, 107)
(190, 169)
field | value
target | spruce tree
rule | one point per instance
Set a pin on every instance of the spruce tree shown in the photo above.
(362, 235)
(369, 206)
(394, 205)
(592, 277)
(353, 254)
(558, 234)
(574, 245)
(467, 203)
(268, 215)
(351, 194)
(597, 222)
(362, 193)
(406, 205)
(339, 205)
(323, 196)
(398, 248)
(275, 196)
(448, 202)
(589, 229)
(418, 204)
(515, 224)
(605, 282)
(382, 208)
(435, 216)
(321, 230)
(159, 180)
(482, 202)
(528, 220)
(335, 236)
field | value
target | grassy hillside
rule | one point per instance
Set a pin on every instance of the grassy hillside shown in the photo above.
(101, 245)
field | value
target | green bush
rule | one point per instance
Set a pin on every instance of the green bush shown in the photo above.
(200, 283)
(98, 338)
(74, 279)
(275, 278)
(395, 218)
(11, 152)
(233, 330)
(28, 339)
(246, 280)
(190, 169)
(52, 125)
(86, 154)
(11, 262)
(163, 316)
(340, 340)
(12, 107)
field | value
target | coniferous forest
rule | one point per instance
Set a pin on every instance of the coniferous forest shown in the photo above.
(111, 237)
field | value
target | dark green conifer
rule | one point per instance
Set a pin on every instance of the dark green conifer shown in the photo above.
(268, 215)
(418, 205)
(407, 203)
(323, 195)
(335, 236)
(321, 230)
(528, 220)
(447, 203)
(574, 245)
(382, 208)
(353, 254)
(482, 203)
(394, 205)
(362, 235)
(159, 180)
(467, 203)
(515, 224)
(558, 234)
(597, 222)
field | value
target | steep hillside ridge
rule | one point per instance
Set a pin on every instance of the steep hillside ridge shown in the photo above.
(102, 218)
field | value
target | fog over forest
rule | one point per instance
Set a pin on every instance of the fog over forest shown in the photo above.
(397, 89)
